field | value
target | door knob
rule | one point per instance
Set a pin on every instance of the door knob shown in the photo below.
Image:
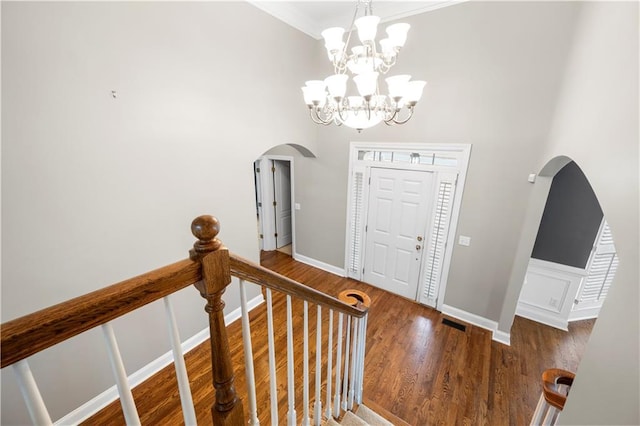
(419, 238)
(418, 247)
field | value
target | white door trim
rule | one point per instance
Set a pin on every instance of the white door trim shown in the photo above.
(461, 152)
(267, 216)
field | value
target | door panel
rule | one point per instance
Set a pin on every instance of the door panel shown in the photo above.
(282, 193)
(399, 205)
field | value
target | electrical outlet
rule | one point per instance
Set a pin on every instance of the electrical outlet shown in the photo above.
(464, 241)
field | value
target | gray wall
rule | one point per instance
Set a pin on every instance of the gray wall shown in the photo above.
(522, 82)
(96, 189)
(570, 222)
(596, 125)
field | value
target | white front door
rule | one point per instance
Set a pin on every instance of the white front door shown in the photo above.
(282, 197)
(399, 205)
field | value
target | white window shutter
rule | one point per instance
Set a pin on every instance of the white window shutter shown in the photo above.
(356, 225)
(601, 270)
(437, 235)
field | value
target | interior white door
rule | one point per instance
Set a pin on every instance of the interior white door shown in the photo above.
(399, 206)
(282, 193)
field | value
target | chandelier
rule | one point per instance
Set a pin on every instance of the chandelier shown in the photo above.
(327, 100)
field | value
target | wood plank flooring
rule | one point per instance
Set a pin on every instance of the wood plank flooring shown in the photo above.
(416, 368)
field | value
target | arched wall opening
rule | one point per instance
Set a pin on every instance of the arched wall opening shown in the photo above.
(521, 265)
(274, 181)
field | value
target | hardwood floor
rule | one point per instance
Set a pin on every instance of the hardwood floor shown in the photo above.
(417, 368)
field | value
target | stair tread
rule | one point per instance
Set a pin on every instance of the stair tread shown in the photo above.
(371, 417)
(351, 419)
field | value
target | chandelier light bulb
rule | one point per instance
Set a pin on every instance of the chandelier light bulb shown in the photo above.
(367, 83)
(388, 48)
(397, 85)
(306, 92)
(337, 85)
(333, 39)
(398, 34)
(367, 28)
(413, 91)
(317, 92)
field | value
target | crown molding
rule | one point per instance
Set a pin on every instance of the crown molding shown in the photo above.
(298, 15)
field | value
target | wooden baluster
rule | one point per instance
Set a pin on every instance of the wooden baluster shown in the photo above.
(248, 358)
(329, 363)
(291, 413)
(336, 401)
(216, 275)
(363, 346)
(32, 397)
(354, 361)
(273, 386)
(305, 366)
(347, 353)
(317, 407)
(129, 409)
(360, 300)
(186, 400)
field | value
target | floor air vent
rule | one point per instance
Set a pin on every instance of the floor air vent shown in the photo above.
(454, 324)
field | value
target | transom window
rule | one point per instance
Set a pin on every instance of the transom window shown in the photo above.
(408, 157)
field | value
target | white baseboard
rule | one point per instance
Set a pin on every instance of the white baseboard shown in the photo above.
(477, 320)
(96, 404)
(470, 318)
(584, 314)
(320, 265)
(535, 314)
(502, 337)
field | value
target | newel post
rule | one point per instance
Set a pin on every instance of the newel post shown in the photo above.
(216, 276)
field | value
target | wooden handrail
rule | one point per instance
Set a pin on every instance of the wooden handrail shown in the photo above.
(32, 333)
(209, 267)
(252, 272)
(550, 379)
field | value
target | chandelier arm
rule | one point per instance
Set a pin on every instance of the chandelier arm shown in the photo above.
(390, 121)
(317, 119)
(340, 115)
(394, 121)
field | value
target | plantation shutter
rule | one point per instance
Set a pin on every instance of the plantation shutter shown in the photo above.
(437, 235)
(601, 270)
(356, 225)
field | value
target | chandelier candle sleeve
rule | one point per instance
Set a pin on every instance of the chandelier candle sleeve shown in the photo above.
(329, 101)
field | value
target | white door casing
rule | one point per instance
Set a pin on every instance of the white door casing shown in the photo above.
(267, 217)
(258, 185)
(282, 202)
(399, 203)
(449, 164)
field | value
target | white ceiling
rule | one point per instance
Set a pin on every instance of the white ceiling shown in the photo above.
(312, 17)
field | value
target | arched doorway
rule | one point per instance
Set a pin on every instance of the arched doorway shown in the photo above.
(274, 179)
(528, 236)
(573, 260)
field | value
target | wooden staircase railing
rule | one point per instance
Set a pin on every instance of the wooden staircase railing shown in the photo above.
(552, 398)
(209, 267)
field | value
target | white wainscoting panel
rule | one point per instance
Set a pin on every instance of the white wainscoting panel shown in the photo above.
(549, 292)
